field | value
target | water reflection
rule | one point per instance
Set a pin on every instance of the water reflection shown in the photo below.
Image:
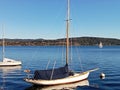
(71, 86)
(5, 72)
(7, 69)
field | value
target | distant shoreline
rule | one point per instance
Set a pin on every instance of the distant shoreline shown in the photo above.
(76, 41)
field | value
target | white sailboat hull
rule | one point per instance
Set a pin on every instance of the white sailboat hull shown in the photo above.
(75, 78)
(70, 86)
(10, 62)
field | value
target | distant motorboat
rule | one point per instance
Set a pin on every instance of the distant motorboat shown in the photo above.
(7, 61)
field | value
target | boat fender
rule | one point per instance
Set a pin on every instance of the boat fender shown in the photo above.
(27, 71)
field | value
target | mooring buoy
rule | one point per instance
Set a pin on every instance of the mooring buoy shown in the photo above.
(102, 76)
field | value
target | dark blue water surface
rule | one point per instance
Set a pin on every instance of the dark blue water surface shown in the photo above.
(83, 58)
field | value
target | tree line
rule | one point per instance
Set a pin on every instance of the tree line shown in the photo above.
(76, 41)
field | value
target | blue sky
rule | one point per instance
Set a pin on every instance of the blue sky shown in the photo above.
(29, 19)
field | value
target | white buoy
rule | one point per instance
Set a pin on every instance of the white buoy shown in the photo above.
(102, 76)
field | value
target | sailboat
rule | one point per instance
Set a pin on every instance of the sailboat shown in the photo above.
(62, 75)
(100, 45)
(7, 61)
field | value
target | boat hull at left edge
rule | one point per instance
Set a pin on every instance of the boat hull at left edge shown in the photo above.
(75, 78)
(10, 62)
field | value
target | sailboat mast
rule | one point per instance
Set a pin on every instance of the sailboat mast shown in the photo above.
(3, 42)
(67, 31)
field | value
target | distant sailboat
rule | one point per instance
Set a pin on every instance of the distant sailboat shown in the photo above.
(60, 75)
(7, 61)
(100, 45)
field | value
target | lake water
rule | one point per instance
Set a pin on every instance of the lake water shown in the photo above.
(106, 59)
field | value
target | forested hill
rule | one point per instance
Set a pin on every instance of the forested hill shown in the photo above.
(77, 41)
